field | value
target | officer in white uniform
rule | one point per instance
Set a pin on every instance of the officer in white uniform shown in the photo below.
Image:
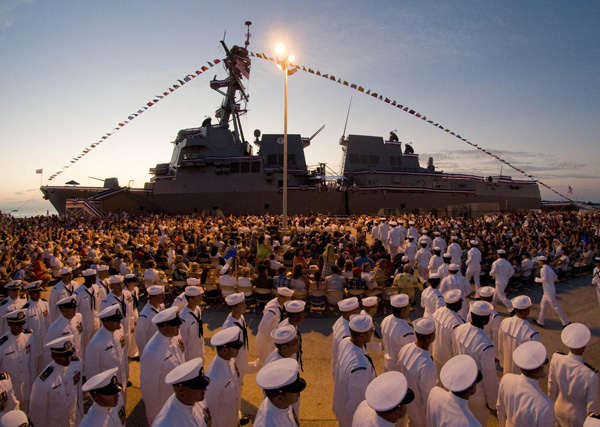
(455, 251)
(107, 347)
(237, 304)
(15, 418)
(122, 296)
(186, 406)
(396, 332)
(515, 390)
(61, 290)
(502, 271)
(16, 355)
(281, 382)
(446, 319)
(8, 401)
(416, 364)
(56, 397)
(572, 383)
(68, 323)
(451, 408)
(272, 315)
(192, 328)
(596, 277)
(486, 293)
(513, 332)
(473, 265)
(386, 400)
(223, 396)
(286, 342)
(38, 320)
(455, 280)
(108, 409)
(145, 329)
(471, 339)
(11, 303)
(88, 304)
(161, 355)
(341, 328)
(355, 369)
(547, 279)
(432, 298)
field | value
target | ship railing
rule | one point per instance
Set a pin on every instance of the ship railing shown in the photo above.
(107, 193)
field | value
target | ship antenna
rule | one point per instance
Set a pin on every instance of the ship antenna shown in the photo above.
(247, 23)
(347, 115)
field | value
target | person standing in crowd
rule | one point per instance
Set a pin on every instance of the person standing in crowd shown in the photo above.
(237, 303)
(145, 329)
(486, 293)
(547, 279)
(596, 277)
(38, 321)
(341, 328)
(396, 332)
(11, 303)
(455, 251)
(88, 304)
(432, 298)
(108, 409)
(422, 257)
(192, 328)
(502, 271)
(123, 297)
(572, 383)
(455, 281)
(473, 265)
(68, 323)
(446, 319)
(102, 282)
(286, 341)
(272, 315)
(62, 289)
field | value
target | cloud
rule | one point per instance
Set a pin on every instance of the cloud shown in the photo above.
(26, 191)
(7, 8)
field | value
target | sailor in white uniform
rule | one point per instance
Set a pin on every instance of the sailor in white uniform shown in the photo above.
(455, 251)
(341, 328)
(439, 242)
(287, 342)
(281, 382)
(502, 271)
(572, 383)
(446, 320)
(520, 400)
(237, 304)
(38, 320)
(68, 323)
(122, 296)
(11, 303)
(410, 250)
(192, 329)
(103, 282)
(416, 364)
(432, 298)
(473, 265)
(396, 332)
(436, 260)
(8, 401)
(547, 279)
(272, 315)
(186, 406)
(451, 408)
(108, 409)
(455, 280)
(62, 289)
(486, 293)
(386, 400)
(88, 304)
(145, 329)
(596, 277)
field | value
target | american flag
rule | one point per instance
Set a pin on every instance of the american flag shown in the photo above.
(570, 190)
(243, 65)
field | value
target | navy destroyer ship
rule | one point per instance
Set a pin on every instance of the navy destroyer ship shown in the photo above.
(215, 169)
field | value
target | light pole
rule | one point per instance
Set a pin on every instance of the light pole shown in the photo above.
(283, 64)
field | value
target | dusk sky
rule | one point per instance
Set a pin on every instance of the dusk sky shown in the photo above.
(518, 78)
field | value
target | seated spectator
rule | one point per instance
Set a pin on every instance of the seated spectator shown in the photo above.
(381, 273)
(263, 280)
(335, 282)
(299, 280)
(368, 276)
(244, 283)
(281, 280)
(356, 282)
(299, 258)
(347, 273)
(407, 282)
(180, 273)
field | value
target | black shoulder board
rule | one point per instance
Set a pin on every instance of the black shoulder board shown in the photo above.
(537, 333)
(47, 372)
(3, 339)
(26, 305)
(74, 359)
(3, 376)
(456, 326)
(360, 368)
(591, 367)
(407, 334)
(489, 346)
(28, 331)
(143, 315)
(560, 352)
(44, 299)
(3, 302)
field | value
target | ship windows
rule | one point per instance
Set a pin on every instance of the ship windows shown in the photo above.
(235, 167)
(364, 158)
(245, 167)
(374, 160)
(354, 158)
(272, 159)
(255, 167)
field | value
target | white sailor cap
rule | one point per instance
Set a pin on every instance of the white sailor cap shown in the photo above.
(370, 301)
(575, 335)
(104, 383)
(294, 306)
(453, 237)
(65, 270)
(103, 268)
(411, 223)
(434, 276)
(234, 299)
(348, 304)
(193, 291)
(276, 243)
(193, 281)
(437, 233)
(388, 391)
(284, 334)
(481, 308)
(521, 302)
(454, 267)
(14, 418)
(189, 374)
(452, 296)
(117, 278)
(473, 242)
(16, 317)
(459, 373)
(592, 420)
(168, 316)
(361, 323)
(424, 231)
(437, 248)
(88, 272)
(67, 302)
(156, 290)
(281, 375)
(424, 326)
(447, 256)
(130, 276)
(399, 300)
(393, 223)
(404, 259)
(540, 258)
(501, 251)
(530, 355)
(226, 336)
(62, 346)
(285, 292)
(33, 286)
(486, 291)
(112, 312)
(597, 259)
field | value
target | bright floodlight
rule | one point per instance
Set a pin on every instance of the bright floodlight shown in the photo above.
(291, 58)
(279, 49)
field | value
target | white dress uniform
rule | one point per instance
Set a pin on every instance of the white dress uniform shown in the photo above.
(56, 398)
(145, 329)
(596, 281)
(341, 330)
(425, 239)
(7, 394)
(491, 329)
(103, 288)
(58, 292)
(6, 306)
(445, 322)
(242, 358)
(440, 243)
(410, 250)
(455, 251)
(161, 356)
(88, 305)
(175, 413)
(395, 239)
(413, 232)
(272, 315)
(269, 415)
(435, 262)
(573, 387)
(107, 351)
(417, 366)
(445, 409)
(443, 270)
(127, 310)
(16, 361)
(365, 416)
(100, 416)
(422, 257)
(502, 271)
(522, 403)
(38, 321)
(273, 357)
(61, 327)
(473, 267)
(355, 372)
(513, 332)
(395, 333)
(223, 393)
(547, 278)
(457, 281)
(431, 300)
(473, 341)
(192, 333)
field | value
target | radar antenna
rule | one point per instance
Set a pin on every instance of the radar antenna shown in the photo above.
(248, 35)
(343, 140)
